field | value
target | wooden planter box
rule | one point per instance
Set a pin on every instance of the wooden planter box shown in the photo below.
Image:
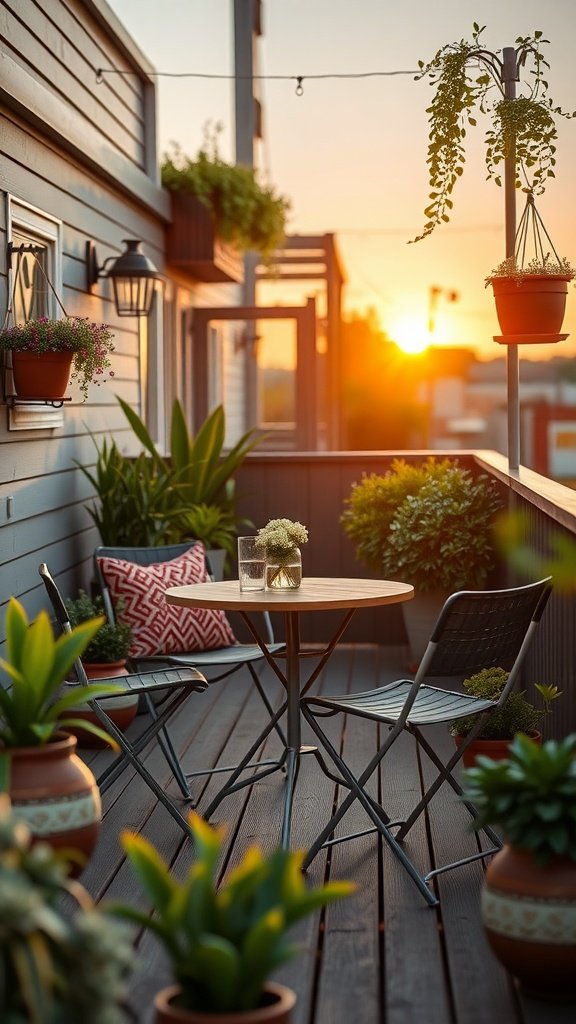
(193, 247)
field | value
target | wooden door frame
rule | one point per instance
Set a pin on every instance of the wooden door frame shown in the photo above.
(306, 431)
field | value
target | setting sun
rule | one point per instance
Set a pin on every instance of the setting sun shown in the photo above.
(410, 334)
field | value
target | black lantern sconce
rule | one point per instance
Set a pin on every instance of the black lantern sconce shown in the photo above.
(132, 275)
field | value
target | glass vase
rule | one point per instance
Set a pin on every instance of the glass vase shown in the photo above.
(284, 573)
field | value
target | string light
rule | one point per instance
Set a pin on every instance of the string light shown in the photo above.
(299, 79)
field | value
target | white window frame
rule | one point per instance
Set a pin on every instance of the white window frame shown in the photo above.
(36, 226)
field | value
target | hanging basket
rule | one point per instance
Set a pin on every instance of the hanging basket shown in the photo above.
(531, 298)
(41, 376)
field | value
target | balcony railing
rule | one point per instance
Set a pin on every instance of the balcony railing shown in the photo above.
(312, 486)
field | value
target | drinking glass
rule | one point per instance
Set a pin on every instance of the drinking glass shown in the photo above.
(251, 564)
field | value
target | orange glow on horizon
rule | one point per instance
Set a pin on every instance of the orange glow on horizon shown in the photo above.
(410, 333)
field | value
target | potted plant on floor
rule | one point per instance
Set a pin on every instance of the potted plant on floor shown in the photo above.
(154, 500)
(56, 966)
(223, 943)
(529, 895)
(51, 789)
(43, 351)
(430, 525)
(105, 656)
(516, 714)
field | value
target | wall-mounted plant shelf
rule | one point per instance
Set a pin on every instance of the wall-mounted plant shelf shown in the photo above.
(55, 403)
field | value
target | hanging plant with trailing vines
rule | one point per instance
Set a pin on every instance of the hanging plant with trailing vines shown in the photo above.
(530, 120)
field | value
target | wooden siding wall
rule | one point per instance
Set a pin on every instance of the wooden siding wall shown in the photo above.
(51, 52)
(311, 487)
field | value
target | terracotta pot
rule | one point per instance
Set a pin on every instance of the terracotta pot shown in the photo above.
(529, 915)
(41, 376)
(122, 709)
(532, 306)
(496, 749)
(56, 794)
(278, 1002)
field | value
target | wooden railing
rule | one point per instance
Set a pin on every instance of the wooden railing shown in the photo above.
(312, 486)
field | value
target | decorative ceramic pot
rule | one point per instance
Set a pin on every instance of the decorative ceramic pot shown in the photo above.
(529, 914)
(284, 573)
(122, 708)
(277, 1004)
(56, 794)
(496, 749)
(532, 305)
(41, 376)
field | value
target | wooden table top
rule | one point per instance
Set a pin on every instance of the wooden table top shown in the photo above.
(315, 594)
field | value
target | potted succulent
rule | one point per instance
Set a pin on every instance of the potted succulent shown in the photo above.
(55, 965)
(428, 524)
(280, 541)
(51, 789)
(154, 500)
(529, 895)
(223, 943)
(43, 351)
(105, 656)
(227, 197)
(516, 714)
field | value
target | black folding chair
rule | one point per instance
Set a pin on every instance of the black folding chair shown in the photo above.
(169, 687)
(217, 663)
(475, 630)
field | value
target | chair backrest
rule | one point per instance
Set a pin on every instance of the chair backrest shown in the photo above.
(485, 629)
(61, 616)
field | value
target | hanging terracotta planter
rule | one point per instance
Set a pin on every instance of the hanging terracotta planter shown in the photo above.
(531, 307)
(56, 794)
(41, 376)
(277, 1004)
(529, 915)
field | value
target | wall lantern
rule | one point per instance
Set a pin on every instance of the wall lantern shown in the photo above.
(132, 275)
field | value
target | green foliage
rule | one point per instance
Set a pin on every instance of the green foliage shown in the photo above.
(430, 525)
(531, 794)
(466, 76)
(55, 967)
(536, 267)
(516, 713)
(90, 344)
(513, 536)
(223, 943)
(245, 213)
(155, 500)
(112, 641)
(37, 664)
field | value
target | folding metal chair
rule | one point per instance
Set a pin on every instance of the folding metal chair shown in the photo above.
(223, 661)
(475, 630)
(170, 687)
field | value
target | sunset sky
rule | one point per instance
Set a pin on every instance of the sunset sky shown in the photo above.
(350, 153)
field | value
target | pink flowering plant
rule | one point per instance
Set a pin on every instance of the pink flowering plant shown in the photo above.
(90, 344)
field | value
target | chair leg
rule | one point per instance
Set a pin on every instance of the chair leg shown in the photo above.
(374, 812)
(141, 769)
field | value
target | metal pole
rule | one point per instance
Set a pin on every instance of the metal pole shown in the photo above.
(509, 79)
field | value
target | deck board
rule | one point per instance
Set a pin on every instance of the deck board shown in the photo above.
(379, 956)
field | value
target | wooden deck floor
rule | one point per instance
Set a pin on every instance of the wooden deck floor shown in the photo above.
(379, 956)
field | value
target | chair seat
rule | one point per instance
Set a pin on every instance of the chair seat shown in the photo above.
(431, 705)
(236, 654)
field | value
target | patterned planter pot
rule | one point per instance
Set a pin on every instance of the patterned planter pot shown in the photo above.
(56, 794)
(529, 915)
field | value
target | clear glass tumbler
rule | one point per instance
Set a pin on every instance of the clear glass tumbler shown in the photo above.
(251, 564)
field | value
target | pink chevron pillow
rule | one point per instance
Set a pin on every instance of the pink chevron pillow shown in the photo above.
(157, 627)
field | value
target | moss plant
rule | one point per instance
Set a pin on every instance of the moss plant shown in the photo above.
(516, 714)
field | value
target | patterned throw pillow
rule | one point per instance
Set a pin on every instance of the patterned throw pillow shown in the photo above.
(157, 627)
